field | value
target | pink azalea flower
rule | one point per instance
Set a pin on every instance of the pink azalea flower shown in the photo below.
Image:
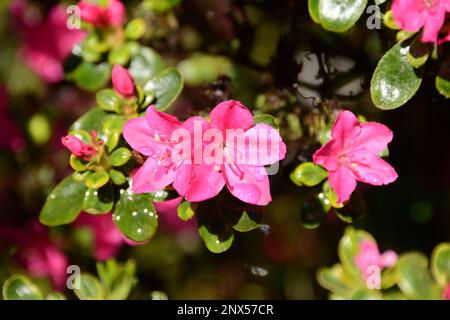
(197, 181)
(78, 148)
(108, 239)
(446, 293)
(11, 137)
(47, 43)
(242, 167)
(412, 15)
(113, 15)
(36, 252)
(369, 256)
(122, 81)
(352, 155)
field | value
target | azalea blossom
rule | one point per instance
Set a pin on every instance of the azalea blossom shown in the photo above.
(208, 158)
(122, 81)
(446, 293)
(78, 148)
(412, 15)
(36, 252)
(46, 58)
(113, 15)
(107, 238)
(352, 155)
(369, 256)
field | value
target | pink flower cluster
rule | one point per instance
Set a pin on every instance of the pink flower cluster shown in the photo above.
(156, 136)
(79, 148)
(413, 15)
(122, 81)
(112, 15)
(369, 256)
(352, 155)
(47, 42)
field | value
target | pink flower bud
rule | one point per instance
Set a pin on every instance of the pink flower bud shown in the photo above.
(446, 293)
(122, 81)
(112, 16)
(78, 147)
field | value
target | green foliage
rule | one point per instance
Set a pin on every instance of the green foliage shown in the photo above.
(308, 174)
(20, 287)
(166, 86)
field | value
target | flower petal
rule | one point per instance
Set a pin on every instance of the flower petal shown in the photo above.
(327, 155)
(343, 182)
(161, 124)
(409, 15)
(139, 136)
(261, 146)
(433, 23)
(370, 168)
(231, 114)
(248, 183)
(372, 136)
(152, 177)
(344, 126)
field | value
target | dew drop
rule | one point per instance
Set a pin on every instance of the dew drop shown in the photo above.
(134, 214)
(139, 230)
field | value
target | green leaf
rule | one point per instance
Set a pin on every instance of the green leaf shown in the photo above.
(90, 288)
(394, 81)
(19, 287)
(77, 164)
(443, 86)
(340, 15)
(201, 69)
(440, 263)
(349, 247)
(166, 86)
(108, 100)
(266, 119)
(185, 211)
(418, 53)
(213, 227)
(117, 279)
(335, 280)
(117, 177)
(98, 201)
(119, 55)
(92, 77)
(135, 215)
(248, 221)
(90, 121)
(120, 156)
(161, 6)
(112, 130)
(145, 64)
(308, 174)
(135, 29)
(367, 294)
(313, 8)
(64, 203)
(414, 280)
(56, 296)
(96, 180)
(388, 20)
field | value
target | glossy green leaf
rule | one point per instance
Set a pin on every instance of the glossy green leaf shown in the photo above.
(19, 287)
(367, 294)
(92, 77)
(313, 8)
(90, 288)
(308, 174)
(96, 180)
(98, 201)
(335, 279)
(135, 215)
(118, 279)
(56, 296)
(185, 211)
(135, 29)
(248, 221)
(440, 263)
(144, 65)
(77, 164)
(214, 242)
(418, 53)
(388, 20)
(90, 121)
(120, 156)
(108, 100)
(64, 203)
(112, 130)
(166, 86)
(395, 80)
(414, 279)
(266, 119)
(161, 6)
(340, 15)
(201, 69)
(119, 55)
(443, 86)
(117, 177)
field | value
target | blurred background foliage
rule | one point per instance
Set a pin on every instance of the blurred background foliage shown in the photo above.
(270, 55)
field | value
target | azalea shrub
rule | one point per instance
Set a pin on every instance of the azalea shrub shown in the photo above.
(220, 149)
